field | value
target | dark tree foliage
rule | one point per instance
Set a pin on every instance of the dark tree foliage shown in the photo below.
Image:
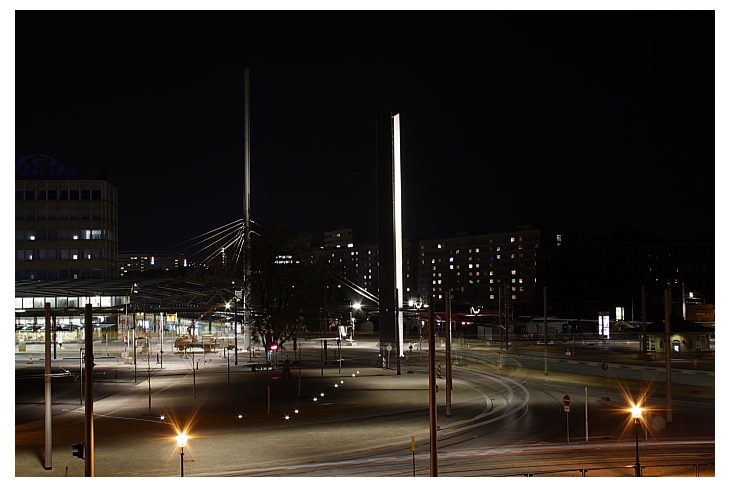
(287, 285)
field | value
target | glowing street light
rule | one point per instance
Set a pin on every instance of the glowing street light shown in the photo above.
(636, 412)
(182, 440)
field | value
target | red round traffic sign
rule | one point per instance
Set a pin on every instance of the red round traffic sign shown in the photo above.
(566, 400)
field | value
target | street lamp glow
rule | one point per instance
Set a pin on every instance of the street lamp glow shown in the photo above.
(182, 440)
(636, 411)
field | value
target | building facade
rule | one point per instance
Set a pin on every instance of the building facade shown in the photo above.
(482, 271)
(65, 227)
(137, 263)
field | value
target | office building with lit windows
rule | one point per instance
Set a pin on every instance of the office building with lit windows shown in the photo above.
(66, 227)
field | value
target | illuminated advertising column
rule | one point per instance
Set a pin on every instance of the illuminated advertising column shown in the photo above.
(604, 328)
(398, 231)
(390, 244)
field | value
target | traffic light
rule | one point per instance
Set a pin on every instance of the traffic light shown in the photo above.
(79, 450)
(274, 347)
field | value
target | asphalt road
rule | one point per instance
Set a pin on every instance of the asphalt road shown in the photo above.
(259, 423)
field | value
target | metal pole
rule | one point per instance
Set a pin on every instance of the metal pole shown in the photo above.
(48, 458)
(182, 454)
(586, 414)
(643, 324)
(544, 312)
(55, 336)
(399, 325)
(235, 328)
(89, 461)
(432, 390)
(448, 353)
(636, 430)
(149, 379)
(506, 319)
(134, 344)
(668, 351)
(246, 295)
(81, 374)
(413, 453)
(162, 335)
(499, 328)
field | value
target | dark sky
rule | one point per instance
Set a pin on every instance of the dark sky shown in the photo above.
(585, 120)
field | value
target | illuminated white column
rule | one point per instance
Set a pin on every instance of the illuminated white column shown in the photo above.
(398, 230)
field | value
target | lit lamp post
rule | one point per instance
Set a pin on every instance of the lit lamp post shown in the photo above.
(182, 440)
(636, 412)
(353, 308)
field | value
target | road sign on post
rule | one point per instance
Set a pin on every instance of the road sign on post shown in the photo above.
(566, 400)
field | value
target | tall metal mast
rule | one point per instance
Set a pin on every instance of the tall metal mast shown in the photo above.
(246, 215)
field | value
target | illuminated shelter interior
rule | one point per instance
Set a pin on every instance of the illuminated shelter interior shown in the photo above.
(113, 301)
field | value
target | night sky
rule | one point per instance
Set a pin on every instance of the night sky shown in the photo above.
(590, 121)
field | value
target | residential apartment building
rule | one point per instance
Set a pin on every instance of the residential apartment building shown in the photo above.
(136, 263)
(66, 227)
(352, 257)
(479, 270)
